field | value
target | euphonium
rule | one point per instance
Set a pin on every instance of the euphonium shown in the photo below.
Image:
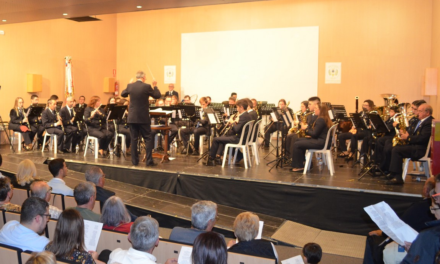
(302, 133)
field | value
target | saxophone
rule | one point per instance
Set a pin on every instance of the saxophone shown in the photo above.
(294, 129)
(302, 133)
(402, 126)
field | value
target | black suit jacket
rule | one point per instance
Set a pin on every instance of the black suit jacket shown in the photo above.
(97, 121)
(318, 130)
(66, 117)
(16, 120)
(139, 107)
(418, 140)
(253, 115)
(102, 195)
(48, 118)
(237, 129)
(168, 93)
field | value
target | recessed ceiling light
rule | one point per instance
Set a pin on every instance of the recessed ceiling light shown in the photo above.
(64, 14)
(4, 20)
(138, 6)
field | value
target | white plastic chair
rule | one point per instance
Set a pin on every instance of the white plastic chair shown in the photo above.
(426, 163)
(20, 139)
(95, 141)
(53, 141)
(242, 144)
(326, 153)
(123, 146)
(253, 143)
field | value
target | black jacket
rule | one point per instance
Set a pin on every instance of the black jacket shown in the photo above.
(66, 116)
(48, 118)
(418, 139)
(16, 119)
(97, 121)
(139, 108)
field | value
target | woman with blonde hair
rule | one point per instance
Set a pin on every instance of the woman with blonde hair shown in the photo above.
(19, 122)
(45, 257)
(25, 175)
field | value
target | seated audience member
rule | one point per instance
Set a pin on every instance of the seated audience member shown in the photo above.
(95, 175)
(85, 196)
(42, 190)
(26, 233)
(415, 216)
(144, 237)
(58, 169)
(203, 217)
(26, 174)
(45, 257)
(312, 253)
(68, 241)
(6, 193)
(209, 247)
(246, 230)
(427, 243)
(115, 216)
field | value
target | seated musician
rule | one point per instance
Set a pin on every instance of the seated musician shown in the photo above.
(274, 126)
(384, 144)
(171, 91)
(232, 100)
(254, 117)
(414, 145)
(187, 100)
(304, 110)
(109, 124)
(202, 128)
(71, 136)
(124, 128)
(19, 122)
(357, 134)
(168, 100)
(160, 102)
(233, 135)
(96, 124)
(35, 122)
(174, 100)
(234, 95)
(53, 124)
(81, 102)
(317, 134)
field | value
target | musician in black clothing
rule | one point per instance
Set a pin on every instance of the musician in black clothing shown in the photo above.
(233, 135)
(109, 124)
(81, 102)
(202, 128)
(171, 91)
(19, 122)
(35, 121)
(386, 141)
(123, 128)
(357, 134)
(71, 137)
(96, 124)
(254, 117)
(274, 126)
(416, 144)
(307, 107)
(317, 134)
(53, 124)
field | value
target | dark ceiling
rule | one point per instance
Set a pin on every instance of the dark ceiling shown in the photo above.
(18, 11)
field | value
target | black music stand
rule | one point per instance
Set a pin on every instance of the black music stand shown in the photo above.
(213, 121)
(282, 121)
(116, 112)
(378, 126)
(35, 113)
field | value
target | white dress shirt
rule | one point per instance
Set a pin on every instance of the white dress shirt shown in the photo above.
(59, 186)
(17, 235)
(131, 256)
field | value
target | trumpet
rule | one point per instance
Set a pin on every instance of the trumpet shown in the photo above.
(302, 133)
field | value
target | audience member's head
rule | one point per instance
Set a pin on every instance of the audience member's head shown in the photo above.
(6, 190)
(144, 234)
(246, 226)
(312, 253)
(95, 175)
(203, 215)
(428, 186)
(69, 234)
(85, 194)
(26, 172)
(58, 168)
(209, 248)
(114, 212)
(35, 214)
(41, 190)
(435, 205)
(44, 257)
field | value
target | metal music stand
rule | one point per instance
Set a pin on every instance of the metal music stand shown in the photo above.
(35, 113)
(213, 121)
(282, 121)
(116, 112)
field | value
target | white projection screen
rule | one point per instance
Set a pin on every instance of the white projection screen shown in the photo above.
(266, 64)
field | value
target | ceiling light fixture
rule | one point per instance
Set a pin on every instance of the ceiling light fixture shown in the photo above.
(138, 6)
(4, 20)
(64, 14)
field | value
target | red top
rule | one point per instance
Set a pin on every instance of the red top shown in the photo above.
(125, 228)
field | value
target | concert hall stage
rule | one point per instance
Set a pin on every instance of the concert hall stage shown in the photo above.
(333, 203)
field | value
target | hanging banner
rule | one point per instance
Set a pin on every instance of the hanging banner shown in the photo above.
(68, 87)
(170, 74)
(333, 72)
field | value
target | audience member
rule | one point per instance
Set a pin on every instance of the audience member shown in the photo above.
(68, 241)
(246, 230)
(42, 190)
(58, 169)
(209, 247)
(85, 196)
(203, 217)
(45, 257)
(26, 174)
(312, 253)
(26, 233)
(144, 237)
(95, 175)
(6, 193)
(115, 216)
